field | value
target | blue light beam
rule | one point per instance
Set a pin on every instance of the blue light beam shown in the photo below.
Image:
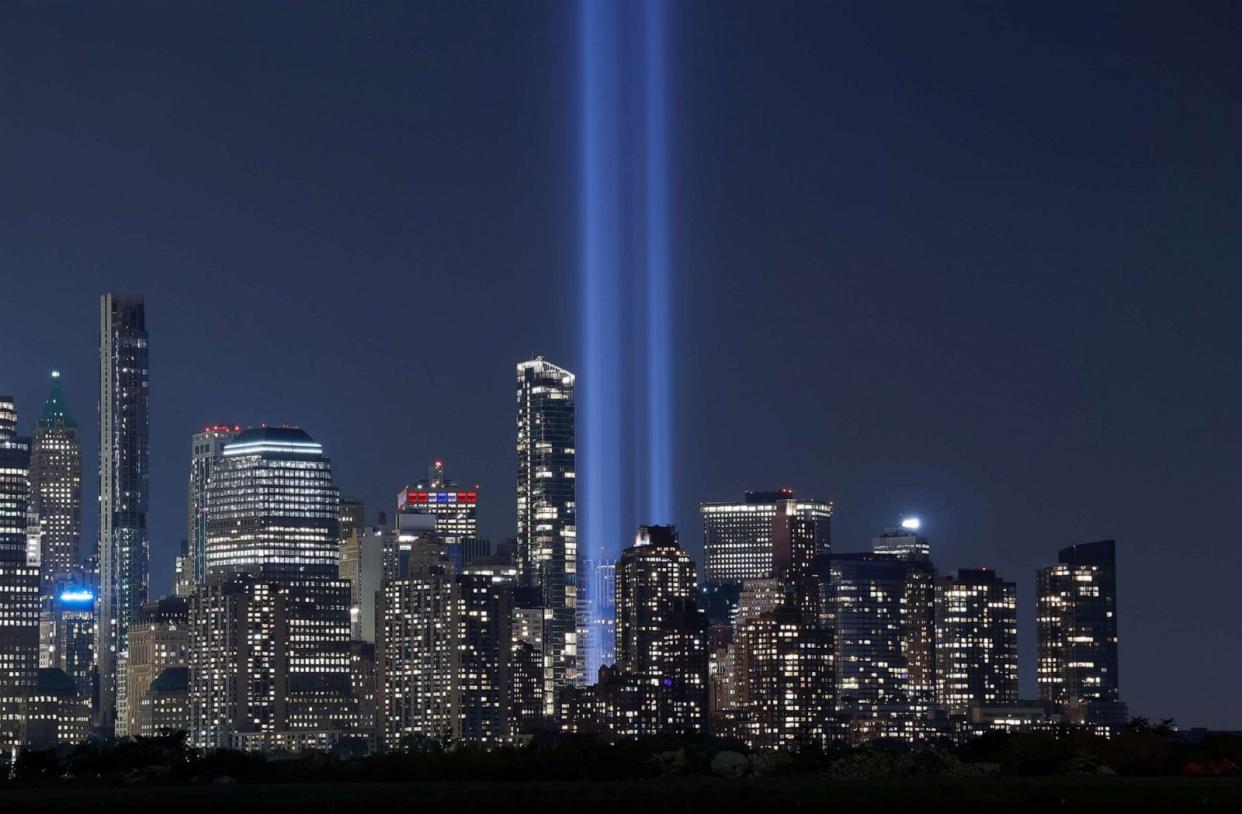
(659, 307)
(600, 385)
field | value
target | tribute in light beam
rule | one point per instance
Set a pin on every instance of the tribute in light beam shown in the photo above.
(659, 310)
(600, 393)
(611, 434)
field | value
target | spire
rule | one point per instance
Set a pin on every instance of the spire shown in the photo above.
(55, 413)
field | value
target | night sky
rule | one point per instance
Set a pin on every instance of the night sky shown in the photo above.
(975, 262)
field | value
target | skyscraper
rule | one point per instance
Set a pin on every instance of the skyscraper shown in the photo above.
(455, 508)
(530, 665)
(159, 638)
(784, 671)
(976, 640)
(67, 628)
(883, 613)
(207, 447)
(272, 508)
(362, 566)
(270, 663)
(353, 518)
(486, 641)
(752, 539)
(438, 506)
(418, 652)
(1076, 614)
(56, 487)
(661, 638)
(547, 510)
(903, 541)
(444, 650)
(19, 581)
(124, 480)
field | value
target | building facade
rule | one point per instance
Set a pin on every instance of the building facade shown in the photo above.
(902, 541)
(352, 515)
(485, 640)
(270, 662)
(164, 706)
(419, 650)
(19, 581)
(762, 535)
(67, 629)
(56, 487)
(455, 508)
(784, 674)
(362, 566)
(883, 613)
(445, 651)
(159, 638)
(533, 695)
(1076, 615)
(56, 715)
(976, 640)
(547, 512)
(661, 638)
(206, 450)
(124, 483)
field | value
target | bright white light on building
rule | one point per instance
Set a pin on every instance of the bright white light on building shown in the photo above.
(911, 523)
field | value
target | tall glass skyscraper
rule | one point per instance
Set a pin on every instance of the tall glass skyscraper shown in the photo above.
(19, 581)
(206, 450)
(976, 640)
(883, 611)
(547, 510)
(56, 488)
(124, 481)
(1076, 613)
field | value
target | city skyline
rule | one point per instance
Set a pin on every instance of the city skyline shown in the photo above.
(1020, 375)
(789, 550)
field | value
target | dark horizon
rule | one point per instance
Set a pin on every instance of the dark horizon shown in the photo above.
(970, 263)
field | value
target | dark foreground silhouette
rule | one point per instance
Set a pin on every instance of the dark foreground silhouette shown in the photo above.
(1143, 769)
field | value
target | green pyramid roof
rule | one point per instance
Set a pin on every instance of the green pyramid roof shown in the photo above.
(55, 412)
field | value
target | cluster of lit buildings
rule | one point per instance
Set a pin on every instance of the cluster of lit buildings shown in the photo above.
(295, 625)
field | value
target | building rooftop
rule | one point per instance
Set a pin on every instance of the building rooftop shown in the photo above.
(55, 680)
(280, 440)
(54, 411)
(172, 679)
